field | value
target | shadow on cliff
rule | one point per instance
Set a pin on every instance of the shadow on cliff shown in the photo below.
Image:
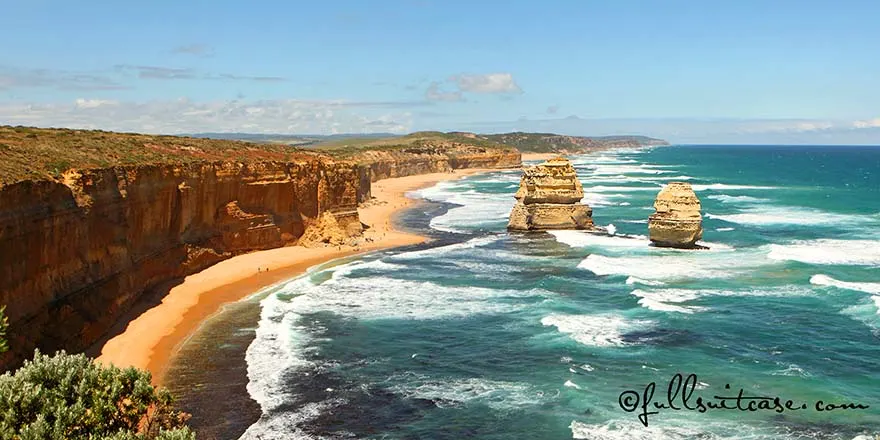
(151, 298)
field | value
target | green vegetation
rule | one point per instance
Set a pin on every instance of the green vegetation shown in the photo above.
(71, 397)
(4, 325)
(551, 143)
(423, 140)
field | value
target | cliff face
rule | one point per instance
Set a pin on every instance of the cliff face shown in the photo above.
(80, 249)
(677, 221)
(442, 158)
(549, 197)
(77, 253)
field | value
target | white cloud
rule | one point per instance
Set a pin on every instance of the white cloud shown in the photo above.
(435, 94)
(93, 103)
(185, 116)
(488, 83)
(871, 123)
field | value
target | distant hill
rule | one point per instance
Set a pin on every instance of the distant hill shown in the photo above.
(551, 142)
(524, 142)
(286, 139)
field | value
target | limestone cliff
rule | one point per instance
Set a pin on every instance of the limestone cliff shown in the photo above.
(677, 221)
(78, 252)
(82, 242)
(549, 197)
(437, 157)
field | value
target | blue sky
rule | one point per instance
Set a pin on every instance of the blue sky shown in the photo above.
(689, 71)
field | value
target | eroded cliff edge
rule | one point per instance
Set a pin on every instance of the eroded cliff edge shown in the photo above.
(80, 246)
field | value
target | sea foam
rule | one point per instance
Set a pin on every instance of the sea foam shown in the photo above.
(594, 330)
(825, 280)
(828, 251)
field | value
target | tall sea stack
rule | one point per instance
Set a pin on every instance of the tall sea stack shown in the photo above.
(549, 197)
(676, 221)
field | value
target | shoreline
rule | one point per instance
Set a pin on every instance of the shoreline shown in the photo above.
(151, 340)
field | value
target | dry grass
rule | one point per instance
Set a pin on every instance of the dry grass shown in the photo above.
(39, 153)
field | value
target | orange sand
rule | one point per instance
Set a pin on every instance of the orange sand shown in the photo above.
(152, 339)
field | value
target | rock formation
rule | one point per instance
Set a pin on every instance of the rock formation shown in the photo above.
(676, 221)
(549, 197)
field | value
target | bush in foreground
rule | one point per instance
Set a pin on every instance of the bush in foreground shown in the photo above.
(71, 397)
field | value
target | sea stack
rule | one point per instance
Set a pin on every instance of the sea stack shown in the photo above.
(677, 221)
(549, 197)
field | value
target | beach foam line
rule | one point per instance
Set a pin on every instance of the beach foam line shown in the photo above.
(825, 280)
(828, 251)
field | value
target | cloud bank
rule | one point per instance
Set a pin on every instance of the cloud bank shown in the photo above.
(185, 116)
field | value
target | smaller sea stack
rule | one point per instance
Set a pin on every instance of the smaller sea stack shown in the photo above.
(549, 197)
(677, 221)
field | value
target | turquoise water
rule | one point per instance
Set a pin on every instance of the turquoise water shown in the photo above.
(489, 335)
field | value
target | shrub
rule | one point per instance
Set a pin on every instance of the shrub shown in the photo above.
(71, 397)
(4, 324)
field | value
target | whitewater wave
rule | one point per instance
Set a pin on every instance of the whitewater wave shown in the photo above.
(724, 198)
(377, 265)
(594, 330)
(667, 300)
(867, 312)
(447, 249)
(476, 210)
(720, 263)
(498, 395)
(577, 239)
(829, 251)
(825, 280)
(634, 280)
(600, 169)
(724, 186)
(792, 215)
(283, 339)
(619, 189)
(677, 430)
(287, 425)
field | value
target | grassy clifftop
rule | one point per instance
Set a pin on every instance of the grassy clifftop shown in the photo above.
(39, 153)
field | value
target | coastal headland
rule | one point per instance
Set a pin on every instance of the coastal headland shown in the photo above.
(122, 244)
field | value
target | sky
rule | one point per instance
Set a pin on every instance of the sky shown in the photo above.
(726, 71)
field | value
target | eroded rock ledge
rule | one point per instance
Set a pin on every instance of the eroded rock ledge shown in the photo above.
(549, 197)
(677, 221)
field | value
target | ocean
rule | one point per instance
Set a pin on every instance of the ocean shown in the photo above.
(485, 334)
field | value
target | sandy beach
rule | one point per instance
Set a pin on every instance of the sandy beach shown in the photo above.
(151, 340)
